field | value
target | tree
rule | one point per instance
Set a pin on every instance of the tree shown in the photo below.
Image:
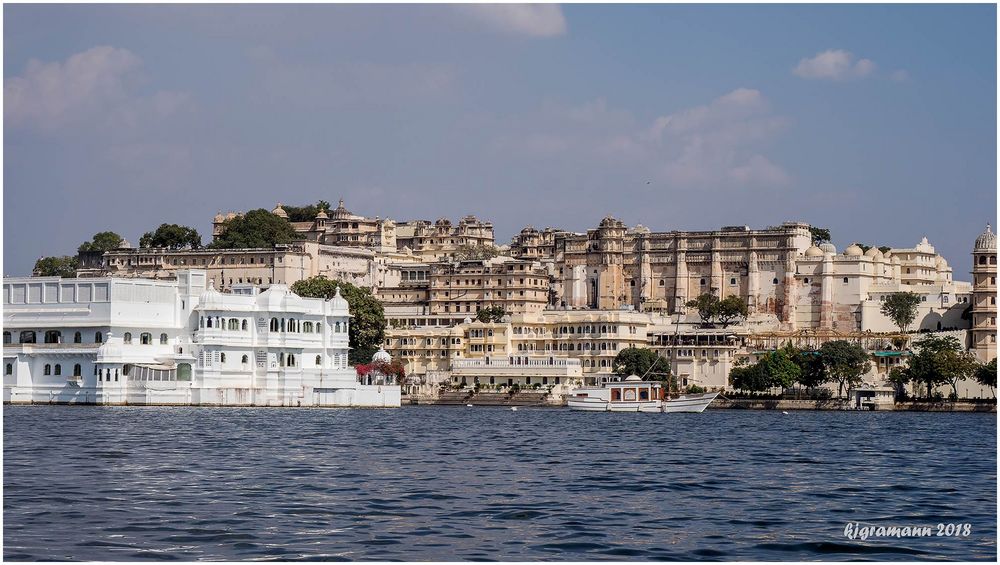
(305, 213)
(707, 305)
(393, 369)
(64, 266)
(367, 327)
(257, 228)
(467, 252)
(899, 379)
(493, 314)
(819, 235)
(901, 308)
(730, 309)
(171, 236)
(940, 360)
(812, 373)
(863, 246)
(773, 369)
(986, 375)
(102, 241)
(845, 363)
(641, 361)
(884, 249)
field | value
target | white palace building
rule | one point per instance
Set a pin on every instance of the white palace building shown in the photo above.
(141, 341)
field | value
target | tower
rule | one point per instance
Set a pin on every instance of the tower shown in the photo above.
(984, 296)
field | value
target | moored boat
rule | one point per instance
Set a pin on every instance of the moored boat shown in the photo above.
(635, 395)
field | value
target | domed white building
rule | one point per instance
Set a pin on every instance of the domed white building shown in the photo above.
(984, 296)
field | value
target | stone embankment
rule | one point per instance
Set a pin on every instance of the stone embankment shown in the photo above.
(834, 404)
(461, 398)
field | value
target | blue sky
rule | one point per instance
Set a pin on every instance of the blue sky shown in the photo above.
(878, 122)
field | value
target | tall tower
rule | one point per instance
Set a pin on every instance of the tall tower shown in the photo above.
(984, 296)
(611, 292)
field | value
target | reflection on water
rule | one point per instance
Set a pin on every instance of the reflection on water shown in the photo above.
(445, 483)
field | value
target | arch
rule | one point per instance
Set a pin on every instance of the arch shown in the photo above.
(163, 339)
(982, 259)
(281, 359)
(77, 370)
(245, 359)
(222, 358)
(77, 337)
(319, 360)
(126, 369)
(307, 327)
(234, 324)
(128, 337)
(208, 324)
(291, 359)
(244, 326)
(6, 337)
(184, 371)
(98, 337)
(274, 324)
(145, 338)
(53, 336)
(319, 327)
(48, 369)
(9, 369)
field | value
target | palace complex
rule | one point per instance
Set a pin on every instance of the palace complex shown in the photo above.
(569, 302)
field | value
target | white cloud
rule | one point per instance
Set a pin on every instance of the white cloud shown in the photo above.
(535, 20)
(96, 85)
(834, 64)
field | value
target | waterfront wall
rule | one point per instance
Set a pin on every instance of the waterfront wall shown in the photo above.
(843, 404)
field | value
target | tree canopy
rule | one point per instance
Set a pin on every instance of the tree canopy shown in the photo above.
(466, 252)
(773, 369)
(844, 363)
(171, 236)
(731, 309)
(64, 266)
(819, 235)
(901, 308)
(641, 361)
(305, 213)
(707, 305)
(493, 314)
(102, 241)
(986, 375)
(940, 360)
(257, 228)
(367, 328)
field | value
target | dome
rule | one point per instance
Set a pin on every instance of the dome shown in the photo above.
(218, 219)
(987, 241)
(279, 211)
(639, 228)
(633, 378)
(854, 250)
(814, 252)
(872, 251)
(381, 355)
(322, 215)
(828, 248)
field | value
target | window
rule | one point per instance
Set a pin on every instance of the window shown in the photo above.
(48, 369)
(222, 358)
(845, 280)
(274, 324)
(77, 370)
(774, 280)
(77, 337)
(291, 360)
(245, 359)
(145, 338)
(53, 336)
(243, 327)
(732, 281)
(6, 337)
(701, 282)
(163, 339)
(98, 337)
(319, 327)
(9, 369)
(319, 360)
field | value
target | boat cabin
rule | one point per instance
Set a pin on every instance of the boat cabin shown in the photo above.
(634, 389)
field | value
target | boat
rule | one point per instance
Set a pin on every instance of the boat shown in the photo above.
(635, 395)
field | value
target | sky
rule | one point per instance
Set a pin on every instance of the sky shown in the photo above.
(875, 121)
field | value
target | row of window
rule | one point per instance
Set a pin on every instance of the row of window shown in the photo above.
(48, 369)
(51, 336)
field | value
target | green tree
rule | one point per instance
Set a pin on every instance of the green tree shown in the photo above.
(940, 360)
(305, 213)
(901, 308)
(986, 375)
(730, 309)
(467, 252)
(845, 363)
(64, 266)
(367, 327)
(899, 378)
(863, 246)
(102, 241)
(812, 373)
(774, 369)
(171, 236)
(641, 361)
(884, 249)
(819, 235)
(707, 305)
(256, 228)
(493, 314)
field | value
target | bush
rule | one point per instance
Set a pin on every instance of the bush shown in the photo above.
(695, 389)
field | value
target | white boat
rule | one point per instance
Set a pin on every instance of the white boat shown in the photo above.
(635, 395)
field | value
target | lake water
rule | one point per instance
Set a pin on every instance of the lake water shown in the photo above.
(456, 483)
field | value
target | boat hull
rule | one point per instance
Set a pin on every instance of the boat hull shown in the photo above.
(689, 403)
(692, 403)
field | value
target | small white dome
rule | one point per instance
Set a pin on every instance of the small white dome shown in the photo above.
(632, 378)
(872, 251)
(814, 252)
(987, 241)
(854, 250)
(381, 355)
(828, 248)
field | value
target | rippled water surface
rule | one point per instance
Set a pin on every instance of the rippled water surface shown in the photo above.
(456, 483)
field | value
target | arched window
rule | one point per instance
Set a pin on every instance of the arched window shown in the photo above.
(145, 338)
(234, 324)
(98, 337)
(336, 327)
(274, 324)
(982, 260)
(209, 323)
(53, 336)
(77, 337)
(245, 360)
(244, 326)
(319, 327)
(77, 370)
(291, 360)
(163, 339)
(9, 369)
(128, 337)
(6, 337)
(291, 325)
(48, 369)
(27, 337)
(222, 357)
(319, 360)
(281, 359)
(126, 369)
(307, 327)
